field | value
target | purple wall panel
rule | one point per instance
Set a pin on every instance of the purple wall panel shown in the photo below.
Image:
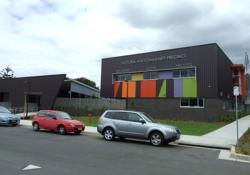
(165, 75)
(178, 88)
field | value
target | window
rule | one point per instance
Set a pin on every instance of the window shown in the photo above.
(108, 115)
(41, 114)
(121, 77)
(147, 117)
(192, 102)
(154, 75)
(50, 115)
(184, 73)
(201, 102)
(117, 115)
(146, 75)
(176, 73)
(150, 75)
(191, 72)
(63, 115)
(184, 102)
(133, 117)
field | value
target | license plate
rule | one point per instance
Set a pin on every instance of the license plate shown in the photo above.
(13, 121)
(79, 129)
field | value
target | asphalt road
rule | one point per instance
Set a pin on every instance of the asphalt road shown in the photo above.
(91, 155)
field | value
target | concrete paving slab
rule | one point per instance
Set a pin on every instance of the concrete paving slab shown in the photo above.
(226, 155)
(23, 115)
(228, 132)
(206, 142)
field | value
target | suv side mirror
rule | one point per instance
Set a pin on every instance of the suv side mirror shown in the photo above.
(142, 121)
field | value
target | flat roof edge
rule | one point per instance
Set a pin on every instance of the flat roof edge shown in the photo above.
(200, 45)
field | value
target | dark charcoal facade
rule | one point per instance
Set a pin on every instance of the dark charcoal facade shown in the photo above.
(40, 92)
(185, 83)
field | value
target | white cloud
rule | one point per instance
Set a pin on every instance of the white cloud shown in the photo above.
(61, 36)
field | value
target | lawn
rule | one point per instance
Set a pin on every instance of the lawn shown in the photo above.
(85, 120)
(193, 127)
(187, 127)
(244, 143)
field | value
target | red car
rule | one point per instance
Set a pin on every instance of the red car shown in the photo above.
(58, 121)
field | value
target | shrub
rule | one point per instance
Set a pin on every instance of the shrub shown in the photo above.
(230, 117)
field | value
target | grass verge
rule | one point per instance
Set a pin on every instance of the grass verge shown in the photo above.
(193, 127)
(187, 127)
(86, 121)
(244, 143)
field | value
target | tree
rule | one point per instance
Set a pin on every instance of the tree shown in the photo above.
(87, 82)
(7, 73)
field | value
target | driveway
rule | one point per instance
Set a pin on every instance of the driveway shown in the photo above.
(85, 154)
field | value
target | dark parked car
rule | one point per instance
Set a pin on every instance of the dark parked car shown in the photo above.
(7, 118)
(135, 124)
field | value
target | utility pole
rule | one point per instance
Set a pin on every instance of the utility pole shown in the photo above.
(27, 98)
(236, 94)
(246, 62)
(127, 96)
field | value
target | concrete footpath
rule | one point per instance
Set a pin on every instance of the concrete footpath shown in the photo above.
(224, 137)
(228, 132)
(23, 115)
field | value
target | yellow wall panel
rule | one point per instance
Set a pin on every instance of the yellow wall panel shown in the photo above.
(137, 76)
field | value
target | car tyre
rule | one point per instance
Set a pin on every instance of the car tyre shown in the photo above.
(77, 132)
(36, 126)
(61, 130)
(109, 134)
(156, 139)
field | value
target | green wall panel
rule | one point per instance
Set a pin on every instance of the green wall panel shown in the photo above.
(163, 91)
(189, 87)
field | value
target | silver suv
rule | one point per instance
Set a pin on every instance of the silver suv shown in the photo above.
(135, 124)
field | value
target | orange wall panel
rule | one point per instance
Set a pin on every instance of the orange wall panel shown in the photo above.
(124, 89)
(148, 88)
(116, 88)
(132, 89)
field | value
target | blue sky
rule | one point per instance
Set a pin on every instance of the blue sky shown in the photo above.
(40, 37)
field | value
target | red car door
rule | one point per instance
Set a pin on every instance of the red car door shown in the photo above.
(41, 118)
(50, 122)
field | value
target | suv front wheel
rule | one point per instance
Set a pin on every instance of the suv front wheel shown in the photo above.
(156, 138)
(109, 134)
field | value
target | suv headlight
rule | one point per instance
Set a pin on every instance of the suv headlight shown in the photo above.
(170, 130)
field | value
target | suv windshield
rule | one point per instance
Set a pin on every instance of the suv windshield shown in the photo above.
(4, 110)
(63, 115)
(147, 117)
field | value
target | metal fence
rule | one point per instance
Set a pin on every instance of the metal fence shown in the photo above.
(83, 106)
(18, 110)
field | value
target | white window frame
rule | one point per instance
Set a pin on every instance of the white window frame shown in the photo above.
(156, 70)
(193, 106)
